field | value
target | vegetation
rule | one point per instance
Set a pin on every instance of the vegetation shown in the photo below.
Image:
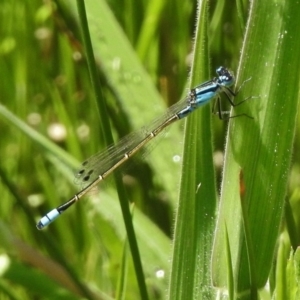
(210, 221)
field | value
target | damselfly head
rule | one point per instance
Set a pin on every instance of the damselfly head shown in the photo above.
(225, 77)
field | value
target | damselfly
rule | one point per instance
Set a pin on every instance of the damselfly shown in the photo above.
(101, 165)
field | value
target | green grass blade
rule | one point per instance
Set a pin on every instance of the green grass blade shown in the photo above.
(260, 149)
(102, 109)
(195, 216)
(123, 71)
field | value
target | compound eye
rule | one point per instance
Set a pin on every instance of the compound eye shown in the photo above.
(220, 71)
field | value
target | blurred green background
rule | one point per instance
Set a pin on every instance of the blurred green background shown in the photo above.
(49, 123)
